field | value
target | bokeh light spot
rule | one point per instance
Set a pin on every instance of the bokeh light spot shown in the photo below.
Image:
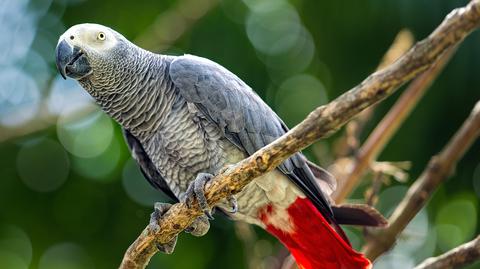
(415, 234)
(394, 260)
(298, 96)
(87, 137)
(19, 97)
(100, 167)
(43, 165)
(294, 60)
(389, 199)
(15, 248)
(67, 96)
(18, 29)
(35, 66)
(11, 261)
(273, 27)
(449, 236)
(417, 240)
(456, 222)
(65, 256)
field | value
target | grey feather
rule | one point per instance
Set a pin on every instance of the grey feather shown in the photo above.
(147, 168)
(244, 118)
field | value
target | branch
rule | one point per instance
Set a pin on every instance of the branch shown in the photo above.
(350, 141)
(322, 122)
(460, 256)
(385, 130)
(438, 170)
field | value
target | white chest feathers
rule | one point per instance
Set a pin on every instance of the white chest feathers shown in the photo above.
(274, 190)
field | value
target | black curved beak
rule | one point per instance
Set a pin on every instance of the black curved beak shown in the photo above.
(71, 61)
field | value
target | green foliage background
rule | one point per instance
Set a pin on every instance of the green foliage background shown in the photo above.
(58, 211)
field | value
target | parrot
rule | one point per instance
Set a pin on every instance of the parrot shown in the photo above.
(185, 118)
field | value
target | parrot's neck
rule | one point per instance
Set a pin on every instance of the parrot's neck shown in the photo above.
(134, 93)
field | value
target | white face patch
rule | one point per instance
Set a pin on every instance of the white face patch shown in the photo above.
(90, 36)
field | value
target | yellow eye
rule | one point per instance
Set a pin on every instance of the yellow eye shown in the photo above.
(101, 36)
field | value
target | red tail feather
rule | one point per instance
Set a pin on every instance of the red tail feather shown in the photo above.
(311, 240)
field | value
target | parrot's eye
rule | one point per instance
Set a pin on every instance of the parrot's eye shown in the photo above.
(101, 36)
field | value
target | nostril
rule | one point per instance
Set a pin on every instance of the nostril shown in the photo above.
(72, 37)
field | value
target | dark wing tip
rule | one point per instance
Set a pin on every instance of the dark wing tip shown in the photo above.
(327, 181)
(358, 214)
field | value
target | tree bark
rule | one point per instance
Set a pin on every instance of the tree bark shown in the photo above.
(458, 257)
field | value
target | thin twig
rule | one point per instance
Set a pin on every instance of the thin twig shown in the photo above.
(350, 141)
(456, 258)
(371, 194)
(385, 130)
(322, 122)
(438, 170)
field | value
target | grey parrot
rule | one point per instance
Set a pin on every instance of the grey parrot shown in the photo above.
(185, 118)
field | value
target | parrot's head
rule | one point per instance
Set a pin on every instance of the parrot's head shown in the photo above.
(88, 48)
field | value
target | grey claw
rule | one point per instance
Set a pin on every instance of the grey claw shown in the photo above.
(153, 225)
(167, 248)
(208, 214)
(159, 210)
(199, 227)
(233, 204)
(196, 188)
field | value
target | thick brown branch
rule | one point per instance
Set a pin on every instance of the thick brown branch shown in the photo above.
(320, 123)
(458, 257)
(439, 169)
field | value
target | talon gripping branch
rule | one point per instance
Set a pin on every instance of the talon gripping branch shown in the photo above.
(185, 116)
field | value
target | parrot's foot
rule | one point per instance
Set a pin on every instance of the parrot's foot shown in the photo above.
(160, 210)
(199, 227)
(233, 204)
(196, 189)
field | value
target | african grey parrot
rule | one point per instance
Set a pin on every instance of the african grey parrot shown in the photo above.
(185, 118)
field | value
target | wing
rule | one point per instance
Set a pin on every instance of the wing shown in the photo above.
(146, 166)
(242, 115)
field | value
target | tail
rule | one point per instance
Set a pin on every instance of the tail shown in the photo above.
(310, 238)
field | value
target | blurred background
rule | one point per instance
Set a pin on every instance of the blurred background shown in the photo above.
(72, 198)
